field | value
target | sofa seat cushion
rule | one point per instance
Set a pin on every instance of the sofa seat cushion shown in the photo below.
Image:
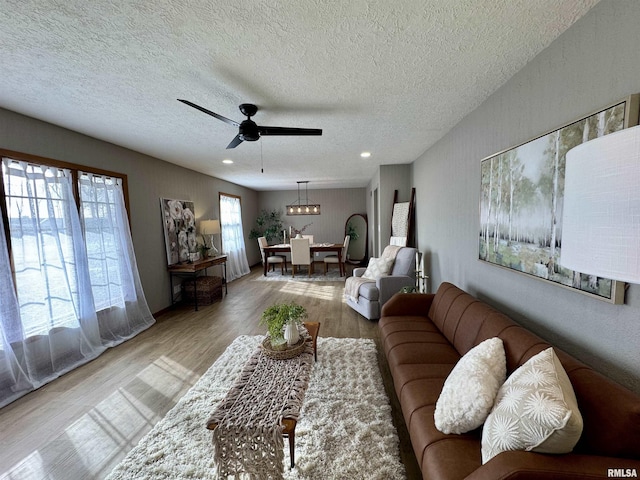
(408, 372)
(369, 291)
(398, 340)
(441, 450)
(418, 394)
(434, 351)
(405, 374)
(456, 456)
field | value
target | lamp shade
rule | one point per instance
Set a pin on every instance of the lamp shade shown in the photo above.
(601, 218)
(210, 227)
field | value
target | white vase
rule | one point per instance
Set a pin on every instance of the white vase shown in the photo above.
(291, 333)
(299, 235)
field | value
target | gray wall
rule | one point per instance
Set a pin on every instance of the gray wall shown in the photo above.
(149, 180)
(387, 180)
(592, 65)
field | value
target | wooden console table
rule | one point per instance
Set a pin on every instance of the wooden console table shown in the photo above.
(191, 271)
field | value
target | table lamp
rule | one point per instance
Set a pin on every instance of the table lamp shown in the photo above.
(601, 219)
(211, 228)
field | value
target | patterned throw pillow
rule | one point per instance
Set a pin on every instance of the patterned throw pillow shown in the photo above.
(471, 387)
(378, 267)
(535, 410)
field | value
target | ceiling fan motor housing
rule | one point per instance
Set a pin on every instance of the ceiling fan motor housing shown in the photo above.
(248, 131)
(248, 109)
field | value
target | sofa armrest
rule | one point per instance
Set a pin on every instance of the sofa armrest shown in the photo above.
(358, 272)
(403, 304)
(389, 285)
(528, 465)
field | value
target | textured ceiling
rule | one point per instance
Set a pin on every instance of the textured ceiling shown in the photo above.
(389, 77)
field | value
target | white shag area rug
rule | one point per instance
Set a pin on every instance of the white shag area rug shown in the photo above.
(345, 430)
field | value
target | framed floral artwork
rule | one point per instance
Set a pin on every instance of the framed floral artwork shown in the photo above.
(179, 224)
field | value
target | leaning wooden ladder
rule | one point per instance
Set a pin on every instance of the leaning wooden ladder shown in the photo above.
(402, 221)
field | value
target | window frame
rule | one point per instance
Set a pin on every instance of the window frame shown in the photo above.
(50, 162)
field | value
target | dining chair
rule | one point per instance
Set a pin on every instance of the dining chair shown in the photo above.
(310, 237)
(334, 259)
(300, 254)
(272, 260)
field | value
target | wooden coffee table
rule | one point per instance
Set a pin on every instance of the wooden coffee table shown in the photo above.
(289, 424)
(313, 328)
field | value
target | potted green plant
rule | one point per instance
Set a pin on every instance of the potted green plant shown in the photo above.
(268, 225)
(352, 232)
(279, 316)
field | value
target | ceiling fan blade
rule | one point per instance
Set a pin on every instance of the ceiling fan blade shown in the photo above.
(235, 142)
(289, 131)
(209, 112)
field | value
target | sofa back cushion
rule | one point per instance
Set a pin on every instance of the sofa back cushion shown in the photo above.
(611, 413)
(466, 322)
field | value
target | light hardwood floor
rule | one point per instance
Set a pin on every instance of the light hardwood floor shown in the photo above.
(82, 424)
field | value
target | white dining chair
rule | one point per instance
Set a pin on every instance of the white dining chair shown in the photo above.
(334, 259)
(310, 237)
(272, 260)
(300, 254)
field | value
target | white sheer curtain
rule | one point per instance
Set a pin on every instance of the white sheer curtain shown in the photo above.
(117, 291)
(58, 327)
(74, 298)
(233, 237)
(14, 382)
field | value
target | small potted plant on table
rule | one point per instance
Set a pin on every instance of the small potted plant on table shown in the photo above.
(282, 320)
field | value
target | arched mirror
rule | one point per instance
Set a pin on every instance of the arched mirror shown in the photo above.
(356, 228)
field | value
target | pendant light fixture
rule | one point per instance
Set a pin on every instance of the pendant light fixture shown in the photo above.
(306, 208)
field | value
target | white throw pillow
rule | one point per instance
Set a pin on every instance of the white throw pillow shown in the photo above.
(470, 389)
(536, 410)
(378, 267)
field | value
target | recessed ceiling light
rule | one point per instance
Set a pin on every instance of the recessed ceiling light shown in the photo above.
(227, 160)
(365, 154)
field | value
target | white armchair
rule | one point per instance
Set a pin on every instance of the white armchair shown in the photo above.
(373, 295)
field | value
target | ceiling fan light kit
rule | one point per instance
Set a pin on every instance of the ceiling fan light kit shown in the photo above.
(248, 130)
(299, 208)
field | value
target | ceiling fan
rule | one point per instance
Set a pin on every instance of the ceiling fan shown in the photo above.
(248, 130)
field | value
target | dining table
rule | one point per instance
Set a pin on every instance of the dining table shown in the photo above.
(314, 247)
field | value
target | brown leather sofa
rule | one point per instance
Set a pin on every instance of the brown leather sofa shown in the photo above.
(423, 336)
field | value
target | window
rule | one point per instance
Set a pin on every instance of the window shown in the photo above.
(232, 236)
(44, 240)
(76, 283)
(101, 220)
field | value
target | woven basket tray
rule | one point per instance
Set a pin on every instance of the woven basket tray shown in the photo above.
(289, 352)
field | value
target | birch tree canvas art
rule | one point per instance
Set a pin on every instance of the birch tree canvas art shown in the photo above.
(522, 193)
